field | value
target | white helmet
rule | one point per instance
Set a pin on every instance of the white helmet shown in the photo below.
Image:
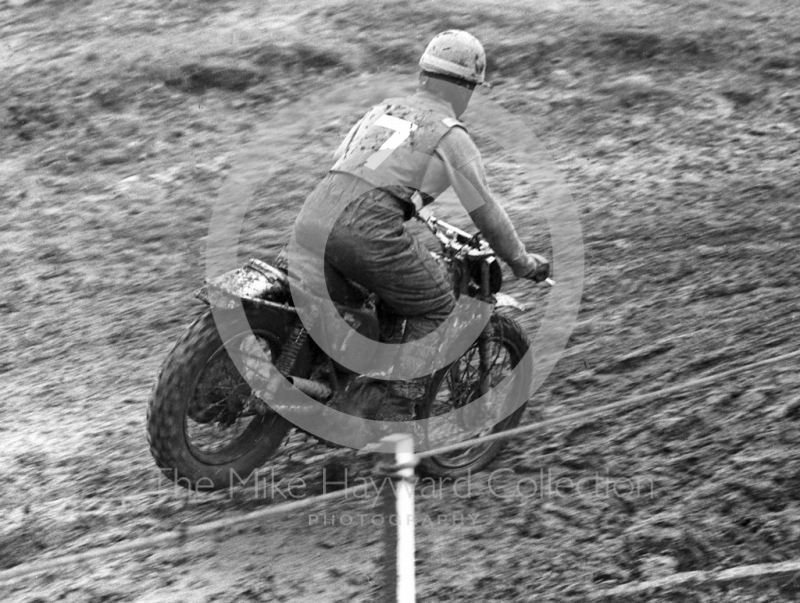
(455, 53)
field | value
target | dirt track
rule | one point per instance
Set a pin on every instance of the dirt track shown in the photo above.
(676, 125)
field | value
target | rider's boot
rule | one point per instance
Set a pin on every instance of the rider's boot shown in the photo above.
(380, 400)
(362, 397)
(402, 398)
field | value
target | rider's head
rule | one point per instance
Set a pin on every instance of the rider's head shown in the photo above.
(452, 65)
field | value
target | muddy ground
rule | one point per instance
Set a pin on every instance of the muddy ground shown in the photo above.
(675, 123)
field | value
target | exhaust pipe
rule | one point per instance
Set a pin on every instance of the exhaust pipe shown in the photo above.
(314, 389)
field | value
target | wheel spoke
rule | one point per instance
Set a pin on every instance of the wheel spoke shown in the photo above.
(480, 369)
(216, 422)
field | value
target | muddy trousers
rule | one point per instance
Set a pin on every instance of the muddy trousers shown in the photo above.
(370, 245)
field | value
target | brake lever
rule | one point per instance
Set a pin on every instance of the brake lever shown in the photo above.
(425, 214)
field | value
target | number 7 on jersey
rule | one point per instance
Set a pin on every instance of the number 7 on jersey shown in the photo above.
(402, 130)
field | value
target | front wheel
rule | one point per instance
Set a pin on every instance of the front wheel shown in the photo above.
(485, 364)
(201, 424)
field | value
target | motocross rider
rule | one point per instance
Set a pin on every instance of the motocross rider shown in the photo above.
(368, 242)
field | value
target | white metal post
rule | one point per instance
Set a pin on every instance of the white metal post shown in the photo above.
(402, 577)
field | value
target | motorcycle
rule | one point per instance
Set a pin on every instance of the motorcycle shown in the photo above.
(205, 421)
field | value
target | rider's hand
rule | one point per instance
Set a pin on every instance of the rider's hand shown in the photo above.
(536, 268)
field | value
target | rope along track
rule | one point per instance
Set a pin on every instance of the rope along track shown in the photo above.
(627, 403)
(178, 537)
(696, 578)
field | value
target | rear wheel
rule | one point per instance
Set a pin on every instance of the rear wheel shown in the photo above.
(485, 364)
(206, 428)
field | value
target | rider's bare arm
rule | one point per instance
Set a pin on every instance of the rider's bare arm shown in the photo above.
(492, 220)
(464, 166)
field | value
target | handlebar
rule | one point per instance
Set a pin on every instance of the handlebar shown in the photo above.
(456, 239)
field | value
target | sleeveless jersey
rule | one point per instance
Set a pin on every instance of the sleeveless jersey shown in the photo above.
(392, 148)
